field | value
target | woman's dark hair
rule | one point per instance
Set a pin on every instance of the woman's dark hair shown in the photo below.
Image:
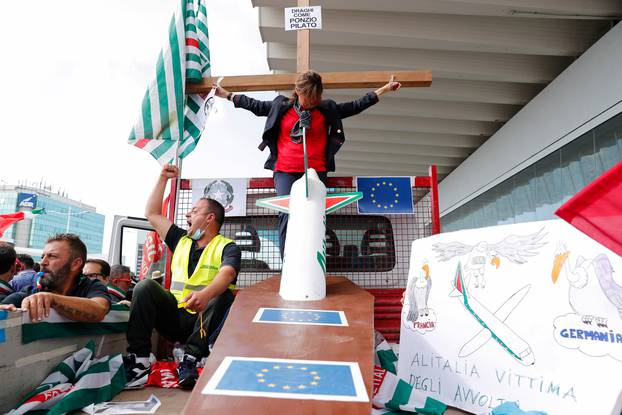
(310, 85)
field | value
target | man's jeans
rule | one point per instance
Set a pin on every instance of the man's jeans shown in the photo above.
(153, 307)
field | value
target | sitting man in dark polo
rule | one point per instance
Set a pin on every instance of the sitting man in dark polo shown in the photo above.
(204, 271)
(62, 285)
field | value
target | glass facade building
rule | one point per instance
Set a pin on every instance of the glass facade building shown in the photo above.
(535, 192)
(62, 215)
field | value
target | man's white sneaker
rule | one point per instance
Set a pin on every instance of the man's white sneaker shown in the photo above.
(137, 371)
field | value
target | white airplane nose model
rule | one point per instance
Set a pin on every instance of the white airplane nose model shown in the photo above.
(303, 277)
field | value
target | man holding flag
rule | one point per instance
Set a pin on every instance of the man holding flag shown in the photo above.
(204, 270)
(205, 264)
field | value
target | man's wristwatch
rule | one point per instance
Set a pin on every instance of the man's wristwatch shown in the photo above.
(229, 96)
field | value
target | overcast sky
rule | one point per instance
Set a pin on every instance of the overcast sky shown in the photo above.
(72, 78)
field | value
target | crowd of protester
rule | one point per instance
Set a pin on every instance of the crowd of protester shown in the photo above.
(204, 271)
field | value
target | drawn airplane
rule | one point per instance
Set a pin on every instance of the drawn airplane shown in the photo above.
(493, 324)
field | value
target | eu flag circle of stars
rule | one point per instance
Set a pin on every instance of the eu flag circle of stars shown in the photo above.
(301, 316)
(299, 380)
(382, 187)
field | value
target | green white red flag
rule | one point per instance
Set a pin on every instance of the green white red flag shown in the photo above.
(116, 294)
(385, 357)
(8, 219)
(170, 122)
(392, 395)
(76, 382)
(56, 325)
(334, 201)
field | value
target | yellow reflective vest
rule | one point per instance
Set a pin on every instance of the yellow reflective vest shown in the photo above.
(205, 271)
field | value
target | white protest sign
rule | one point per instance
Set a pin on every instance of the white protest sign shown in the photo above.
(298, 18)
(530, 313)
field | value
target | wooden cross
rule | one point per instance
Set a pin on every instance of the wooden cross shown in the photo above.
(330, 80)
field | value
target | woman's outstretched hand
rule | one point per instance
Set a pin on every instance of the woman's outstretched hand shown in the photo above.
(219, 91)
(390, 86)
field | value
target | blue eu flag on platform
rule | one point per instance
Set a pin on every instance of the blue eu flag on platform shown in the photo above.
(289, 378)
(284, 315)
(385, 195)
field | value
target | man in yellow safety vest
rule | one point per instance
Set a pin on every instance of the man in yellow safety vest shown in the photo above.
(204, 270)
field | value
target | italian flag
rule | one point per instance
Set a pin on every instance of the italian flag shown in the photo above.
(392, 395)
(76, 382)
(56, 325)
(117, 292)
(170, 123)
(8, 219)
(385, 357)
(5, 288)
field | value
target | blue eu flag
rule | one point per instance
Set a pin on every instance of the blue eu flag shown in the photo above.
(385, 195)
(293, 316)
(257, 376)
(3, 316)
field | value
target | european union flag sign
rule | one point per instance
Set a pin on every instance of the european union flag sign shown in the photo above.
(289, 379)
(3, 316)
(301, 316)
(385, 195)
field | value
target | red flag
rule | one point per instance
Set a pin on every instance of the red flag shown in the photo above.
(152, 249)
(597, 209)
(165, 205)
(152, 253)
(164, 375)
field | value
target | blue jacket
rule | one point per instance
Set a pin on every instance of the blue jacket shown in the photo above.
(26, 278)
(332, 111)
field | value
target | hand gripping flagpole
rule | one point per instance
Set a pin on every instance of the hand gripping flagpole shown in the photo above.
(177, 183)
(178, 161)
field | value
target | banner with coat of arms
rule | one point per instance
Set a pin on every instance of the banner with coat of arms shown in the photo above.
(231, 193)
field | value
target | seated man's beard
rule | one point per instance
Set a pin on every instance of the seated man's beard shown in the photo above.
(54, 281)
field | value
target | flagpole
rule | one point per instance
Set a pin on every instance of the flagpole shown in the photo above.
(178, 163)
(172, 213)
(304, 151)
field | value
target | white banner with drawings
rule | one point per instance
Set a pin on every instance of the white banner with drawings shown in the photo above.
(529, 313)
